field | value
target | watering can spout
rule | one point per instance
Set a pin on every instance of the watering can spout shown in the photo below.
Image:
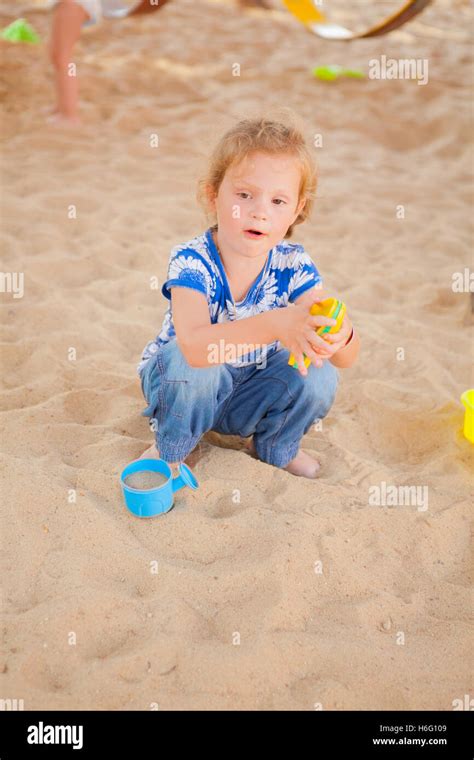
(185, 478)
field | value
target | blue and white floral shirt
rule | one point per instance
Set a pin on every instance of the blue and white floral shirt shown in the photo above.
(287, 273)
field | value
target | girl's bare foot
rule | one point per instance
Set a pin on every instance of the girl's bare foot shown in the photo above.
(153, 453)
(249, 445)
(191, 460)
(49, 110)
(302, 464)
(57, 119)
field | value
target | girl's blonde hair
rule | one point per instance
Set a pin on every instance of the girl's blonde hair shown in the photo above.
(267, 136)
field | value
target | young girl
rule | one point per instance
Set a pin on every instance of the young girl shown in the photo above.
(240, 299)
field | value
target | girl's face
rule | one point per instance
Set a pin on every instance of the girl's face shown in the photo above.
(258, 195)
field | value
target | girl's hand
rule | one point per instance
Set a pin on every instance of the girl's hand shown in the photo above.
(332, 342)
(296, 331)
(335, 341)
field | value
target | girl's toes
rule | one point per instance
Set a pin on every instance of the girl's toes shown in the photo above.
(151, 453)
(58, 120)
(250, 447)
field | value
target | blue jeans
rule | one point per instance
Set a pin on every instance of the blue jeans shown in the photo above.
(274, 403)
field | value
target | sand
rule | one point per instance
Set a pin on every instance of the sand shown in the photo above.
(145, 480)
(259, 590)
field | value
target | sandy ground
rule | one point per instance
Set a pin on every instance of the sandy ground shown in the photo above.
(303, 593)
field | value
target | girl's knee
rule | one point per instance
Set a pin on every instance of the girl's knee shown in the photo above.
(69, 16)
(174, 368)
(320, 387)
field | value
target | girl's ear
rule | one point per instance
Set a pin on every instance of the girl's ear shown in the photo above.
(211, 197)
(299, 208)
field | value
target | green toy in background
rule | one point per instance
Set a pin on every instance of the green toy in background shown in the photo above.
(20, 31)
(329, 73)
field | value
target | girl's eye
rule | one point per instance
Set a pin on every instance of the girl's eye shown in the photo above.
(278, 201)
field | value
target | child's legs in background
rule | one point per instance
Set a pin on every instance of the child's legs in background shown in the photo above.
(276, 405)
(68, 19)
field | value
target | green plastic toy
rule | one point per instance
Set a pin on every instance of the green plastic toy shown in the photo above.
(329, 73)
(20, 31)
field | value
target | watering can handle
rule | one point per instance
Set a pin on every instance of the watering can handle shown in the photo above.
(185, 478)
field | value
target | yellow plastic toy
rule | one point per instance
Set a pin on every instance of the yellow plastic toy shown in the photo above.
(467, 399)
(332, 308)
(316, 21)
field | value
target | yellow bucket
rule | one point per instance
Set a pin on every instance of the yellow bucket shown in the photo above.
(467, 399)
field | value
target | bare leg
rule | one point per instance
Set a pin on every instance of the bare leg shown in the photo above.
(67, 22)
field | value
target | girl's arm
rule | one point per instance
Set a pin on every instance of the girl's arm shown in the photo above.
(347, 355)
(195, 332)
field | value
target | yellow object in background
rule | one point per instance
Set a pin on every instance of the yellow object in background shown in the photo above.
(318, 23)
(467, 399)
(330, 307)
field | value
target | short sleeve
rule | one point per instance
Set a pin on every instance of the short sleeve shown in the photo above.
(188, 269)
(304, 277)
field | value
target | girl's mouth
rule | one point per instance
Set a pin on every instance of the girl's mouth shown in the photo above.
(254, 234)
